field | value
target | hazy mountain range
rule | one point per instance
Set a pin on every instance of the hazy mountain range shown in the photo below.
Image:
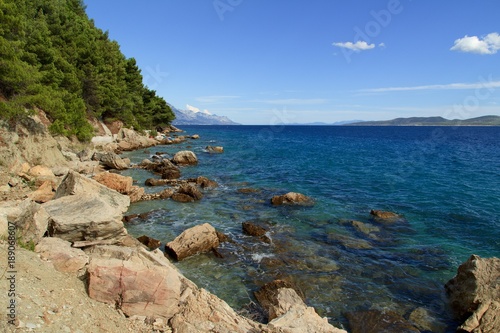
(432, 121)
(194, 116)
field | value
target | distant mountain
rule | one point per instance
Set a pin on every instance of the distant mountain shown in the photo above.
(194, 116)
(433, 121)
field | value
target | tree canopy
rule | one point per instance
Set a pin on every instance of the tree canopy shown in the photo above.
(52, 56)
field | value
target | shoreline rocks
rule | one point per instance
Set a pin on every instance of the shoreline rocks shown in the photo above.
(474, 294)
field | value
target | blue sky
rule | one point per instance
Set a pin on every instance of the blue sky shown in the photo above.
(267, 62)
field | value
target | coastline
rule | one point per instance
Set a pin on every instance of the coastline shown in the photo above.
(167, 265)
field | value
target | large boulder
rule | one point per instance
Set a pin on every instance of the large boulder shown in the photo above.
(129, 139)
(187, 193)
(65, 258)
(198, 239)
(86, 210)
(115, 182)
(111, 161)
(76, 184)
(84, 217)
(136, 281)
(474, 294)
(185, 157)
(292, 198)
(288, 312)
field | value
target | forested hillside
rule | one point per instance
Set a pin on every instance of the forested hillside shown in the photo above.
(54, 58)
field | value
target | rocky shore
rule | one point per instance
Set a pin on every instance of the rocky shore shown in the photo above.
(78, 270)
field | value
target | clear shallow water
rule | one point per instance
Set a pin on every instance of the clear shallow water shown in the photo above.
(445, 181)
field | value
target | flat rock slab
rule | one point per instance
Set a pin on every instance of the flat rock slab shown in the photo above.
(83, 217)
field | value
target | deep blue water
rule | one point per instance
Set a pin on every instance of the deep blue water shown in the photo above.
(444, 181)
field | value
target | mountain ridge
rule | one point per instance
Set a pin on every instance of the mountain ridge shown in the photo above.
(488, 120)
(190, 117)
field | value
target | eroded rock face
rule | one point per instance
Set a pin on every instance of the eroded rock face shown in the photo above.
(187, 193)
(64, 257)
(474, 294)
(135, 280)
(199, 239)
(185, 157)
(292, 198)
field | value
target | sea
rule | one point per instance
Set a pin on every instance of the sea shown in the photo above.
(443, 182)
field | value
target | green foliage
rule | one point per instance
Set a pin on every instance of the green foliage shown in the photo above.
(53, 57)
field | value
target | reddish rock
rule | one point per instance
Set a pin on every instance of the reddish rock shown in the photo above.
(115, 182)
(384, 215)
(191, 191)
(252, 229)
(198, 239)
(204, 182)
(134, 281)
(215, 149)
(44, 193)
(136, 193)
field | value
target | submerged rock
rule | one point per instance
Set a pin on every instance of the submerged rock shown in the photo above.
(214, 149)
(384, 216)
(375, 321)
(199, 239)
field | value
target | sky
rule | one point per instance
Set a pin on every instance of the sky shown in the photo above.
(296, 61)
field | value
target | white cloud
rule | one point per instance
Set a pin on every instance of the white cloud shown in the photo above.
(452, 86)
(357, 47)
(489, 44)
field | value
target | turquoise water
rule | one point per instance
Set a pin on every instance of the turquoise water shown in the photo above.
(444, 181)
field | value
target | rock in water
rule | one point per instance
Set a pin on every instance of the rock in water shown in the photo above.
(185, 157)
(198, 239)
(375, 321)
(292, 198)
(474, 294)
(288, 312)
(215, 149)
